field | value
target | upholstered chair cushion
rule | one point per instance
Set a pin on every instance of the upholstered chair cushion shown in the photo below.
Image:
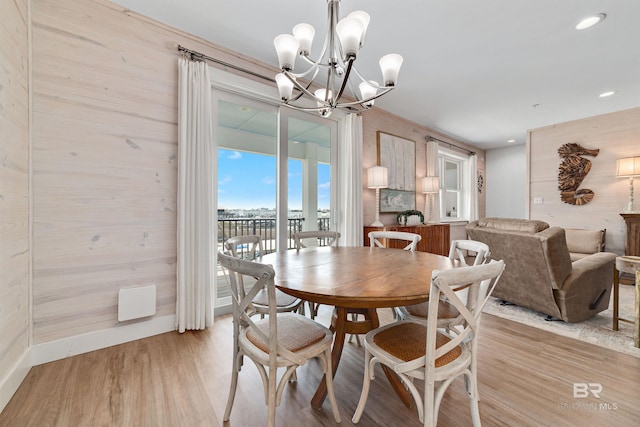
(514, 224)
(582, 243)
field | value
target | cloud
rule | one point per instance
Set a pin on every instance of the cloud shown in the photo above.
(269, 180)
(325, 185)
(234, 155)
(225, 180)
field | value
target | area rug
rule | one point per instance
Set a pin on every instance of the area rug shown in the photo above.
(597, 330)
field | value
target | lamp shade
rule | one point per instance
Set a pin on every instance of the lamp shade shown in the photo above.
(364, 18)
(368, 90)
(304, 33)
(390, 66)
(285, 86)
(627, 167)
(349, 31)
(287, 48)
(430, 184)
(377, 177)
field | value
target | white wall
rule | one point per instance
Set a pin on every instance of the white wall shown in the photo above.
(506, 182)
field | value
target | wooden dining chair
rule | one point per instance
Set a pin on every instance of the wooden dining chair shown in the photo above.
(249, 247)
(281, 340)
(331, 238)
(461, 254)
(377, 239)
(414, 350)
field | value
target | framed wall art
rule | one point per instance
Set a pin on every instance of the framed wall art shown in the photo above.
(397, 200)
(399, 156)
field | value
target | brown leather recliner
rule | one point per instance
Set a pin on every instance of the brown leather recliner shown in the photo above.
(539, 273)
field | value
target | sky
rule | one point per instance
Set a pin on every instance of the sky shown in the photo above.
(248, 181)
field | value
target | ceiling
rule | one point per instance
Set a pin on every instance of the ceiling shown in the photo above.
(481, 71)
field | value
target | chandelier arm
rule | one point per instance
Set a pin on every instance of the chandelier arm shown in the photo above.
(354, 109)
(364, 101)
(305, 90)
(345, 79)
(329, 84)
(312, 62)
(301, 93)
(355, 70)
(296, 107)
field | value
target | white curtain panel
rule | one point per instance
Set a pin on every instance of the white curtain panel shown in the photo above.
(473, 187)
(350, 178)
(434, 170)
(194, 298)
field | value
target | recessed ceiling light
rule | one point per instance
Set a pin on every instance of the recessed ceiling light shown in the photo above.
(605, 94)
(511, 140)
(590, 21)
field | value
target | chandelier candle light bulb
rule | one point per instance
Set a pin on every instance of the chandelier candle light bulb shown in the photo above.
(333, 69)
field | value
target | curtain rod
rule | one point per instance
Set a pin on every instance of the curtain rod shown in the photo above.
(430, 138)
(200, 56)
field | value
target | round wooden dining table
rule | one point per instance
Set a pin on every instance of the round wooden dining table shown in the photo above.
(355, 280)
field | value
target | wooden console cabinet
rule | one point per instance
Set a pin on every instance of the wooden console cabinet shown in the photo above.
(435, 237)
(632, 245)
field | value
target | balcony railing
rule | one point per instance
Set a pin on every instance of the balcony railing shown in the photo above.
(263, 227)
(266, 229)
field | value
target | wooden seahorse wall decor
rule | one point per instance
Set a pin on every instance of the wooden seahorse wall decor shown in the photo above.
(572, 170)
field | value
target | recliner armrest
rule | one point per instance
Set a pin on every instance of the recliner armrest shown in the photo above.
(593, 270)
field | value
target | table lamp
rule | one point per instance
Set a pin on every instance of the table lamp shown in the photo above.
(377, 177)
(430, 186)
(629, 167)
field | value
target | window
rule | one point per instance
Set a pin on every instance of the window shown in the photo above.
(454, 191)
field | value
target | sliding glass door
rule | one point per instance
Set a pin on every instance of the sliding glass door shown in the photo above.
(274, 174)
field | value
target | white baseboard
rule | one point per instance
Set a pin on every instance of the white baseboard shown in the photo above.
(12, 380)
(67, 347)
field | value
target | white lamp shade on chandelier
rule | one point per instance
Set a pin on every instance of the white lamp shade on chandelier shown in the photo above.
(629, 167)
(345, 37)
(378, 177)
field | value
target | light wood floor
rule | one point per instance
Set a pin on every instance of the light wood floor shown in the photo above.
(526, 379)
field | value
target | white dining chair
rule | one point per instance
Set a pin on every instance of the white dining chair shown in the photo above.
(381, 239)
(281, 340)
(462, 253)
(328, 237)
(377, 239)
(414, 350)
(249, 247)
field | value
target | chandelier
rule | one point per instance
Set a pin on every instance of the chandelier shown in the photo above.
(344, 39)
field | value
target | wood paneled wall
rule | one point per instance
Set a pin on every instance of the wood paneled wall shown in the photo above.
(617, 135)
(378, 120)
(14, 184)
(104, 161)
